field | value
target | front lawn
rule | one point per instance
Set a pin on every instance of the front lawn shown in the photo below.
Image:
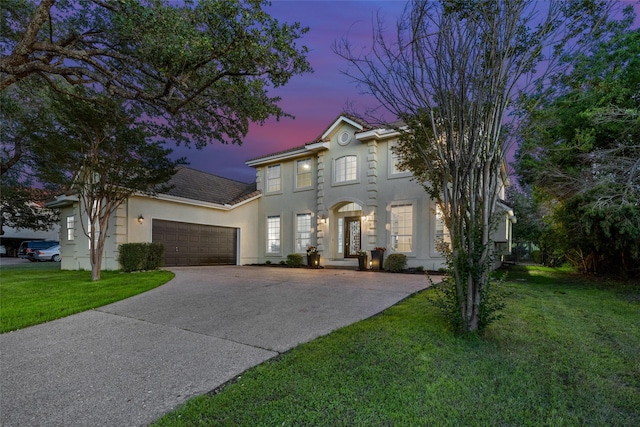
(36, 293)
(566, 353)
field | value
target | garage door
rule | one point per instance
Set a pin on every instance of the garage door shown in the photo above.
(195, 244)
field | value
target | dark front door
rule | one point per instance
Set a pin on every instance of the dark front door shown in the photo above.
(352, 236)
(195, 244)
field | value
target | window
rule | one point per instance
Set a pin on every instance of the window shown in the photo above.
(303, 232)
(441, 232)
(395, 160)
(71, 227)
(273, 178)
(340, 234)
(402, 228)
(346, 168)
(96, 211)
(303, 173)
(273, 234)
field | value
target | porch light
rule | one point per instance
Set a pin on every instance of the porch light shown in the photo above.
(323, 219)
(140, 219)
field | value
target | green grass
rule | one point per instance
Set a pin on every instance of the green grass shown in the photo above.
(40, 292)
(566, 353)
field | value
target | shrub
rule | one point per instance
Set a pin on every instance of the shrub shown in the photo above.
(420, 269)
(268, 262)
(294, 260)
(283, 262)
(395, 263)
(140, 256)
(537, 257)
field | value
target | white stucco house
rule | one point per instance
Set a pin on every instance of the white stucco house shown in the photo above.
(342, 192)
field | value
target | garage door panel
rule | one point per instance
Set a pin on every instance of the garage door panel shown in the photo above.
(196, 244)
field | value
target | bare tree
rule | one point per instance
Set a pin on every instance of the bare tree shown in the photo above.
(451, 72)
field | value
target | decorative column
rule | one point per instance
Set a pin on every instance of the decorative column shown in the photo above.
(372, 193)
(321, 210)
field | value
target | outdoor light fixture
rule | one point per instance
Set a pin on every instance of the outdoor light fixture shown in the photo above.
(140, 219)
(323, 219)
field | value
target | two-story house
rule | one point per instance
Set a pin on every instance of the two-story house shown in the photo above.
(342, 192)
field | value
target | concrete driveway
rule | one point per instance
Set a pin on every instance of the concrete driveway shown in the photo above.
(128, 363)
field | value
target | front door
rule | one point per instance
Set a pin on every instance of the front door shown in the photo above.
(352, 236)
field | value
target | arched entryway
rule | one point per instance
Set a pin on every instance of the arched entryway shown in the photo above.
(346, 230)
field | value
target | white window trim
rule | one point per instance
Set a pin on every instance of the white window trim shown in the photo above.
(266, 180)
(303, 250)
(266, 222)
(414, 226)
(71, 231)
(334, 182)
(310, 186)
(390, 161)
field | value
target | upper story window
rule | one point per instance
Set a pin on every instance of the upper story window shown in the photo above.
(402, 228)
(274, 180)
(346, 169)
(303, 173)
(394, 162)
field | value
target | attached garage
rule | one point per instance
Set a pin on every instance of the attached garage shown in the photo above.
(195, 244)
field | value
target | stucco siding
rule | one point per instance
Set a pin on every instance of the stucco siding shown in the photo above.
(243, 217)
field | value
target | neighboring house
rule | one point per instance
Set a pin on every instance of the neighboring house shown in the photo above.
(342, 192)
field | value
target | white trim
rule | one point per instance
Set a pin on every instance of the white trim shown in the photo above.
(317, 146)
(289, 155)
(62, 201)
(415, 241)
(192, 202)
(267, 179)
(296, 175)
(312, 230)
(379, 133)
(390, 163)
(339, 121)
(356, 180)
(266, 234)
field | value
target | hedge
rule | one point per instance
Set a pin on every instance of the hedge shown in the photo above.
(141, 256)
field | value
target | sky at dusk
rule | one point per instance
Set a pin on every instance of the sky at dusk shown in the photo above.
(315, 99)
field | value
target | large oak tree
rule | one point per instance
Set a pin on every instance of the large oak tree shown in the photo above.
(204, 68)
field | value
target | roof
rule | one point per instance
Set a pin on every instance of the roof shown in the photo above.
(197, 185)
(312, 145)
(277, 153)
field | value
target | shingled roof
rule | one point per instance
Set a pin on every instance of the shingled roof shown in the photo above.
(197, 185)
